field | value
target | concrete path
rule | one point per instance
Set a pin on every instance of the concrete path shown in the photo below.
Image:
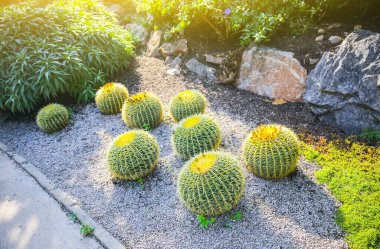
(30, 218)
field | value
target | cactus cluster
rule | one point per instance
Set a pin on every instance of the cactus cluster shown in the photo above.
(211, 183)
(271, 151)
(133, 155)
(186, 104)
(143, 110)
(110, 98)
(52, 118)
(196, 134)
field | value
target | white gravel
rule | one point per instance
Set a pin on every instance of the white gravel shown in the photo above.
(290, 213)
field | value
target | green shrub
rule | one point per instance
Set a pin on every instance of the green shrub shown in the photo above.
(186, 104)
(271, 151)
(110, 98)
(52, 118)
(133, 155)
(196, 134)
(253, 20)
(143, 110)
(211, 183)
(67, 47)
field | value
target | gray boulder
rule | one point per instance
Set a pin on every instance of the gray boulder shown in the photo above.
(201, 70)
(343, 89)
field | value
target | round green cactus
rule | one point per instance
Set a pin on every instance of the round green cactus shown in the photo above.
(196, 134)
(133, 155)
(52, 118)
(143, 110)
(271, 151)
(211, 183)
(186, 104)
(110, 98)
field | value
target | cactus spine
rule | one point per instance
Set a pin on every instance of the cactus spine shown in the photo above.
(133, 155)
(271, 151)
(196, 134)
(211, 183)
(110, 98)
(52, 118)
(143, 110)
(186, 104)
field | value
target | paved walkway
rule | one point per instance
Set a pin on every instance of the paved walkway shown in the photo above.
(30, 218)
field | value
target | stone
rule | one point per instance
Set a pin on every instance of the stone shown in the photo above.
(173, 71)
(335, 39)
(334, 26)
(154, 44)
(358, 27)
(176, 62)
(229, 69)
(321, 31)
(139, 32)
(343, 90)
(313, 61)
(201, 70)
(272, 73)
(214, 59)
(319, 38)
(174, 49)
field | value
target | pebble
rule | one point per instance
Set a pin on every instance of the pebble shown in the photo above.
(321, 31)
(313, 61)
(358, 27)
(319, 38)
(335, 39)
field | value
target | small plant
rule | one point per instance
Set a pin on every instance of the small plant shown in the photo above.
(271, 151)
(204, 222)
(186, 104)
(196, 134)
(146, 127)
(141, 183)
(133, 155)
(211, 183)
(86, 230)
(52, 118)
(110, 98)
(143, 110)
(370, 135)
(73, 217)
(238, 216)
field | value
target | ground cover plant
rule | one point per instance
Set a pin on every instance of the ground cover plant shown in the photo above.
(352, 171)
(64, 48)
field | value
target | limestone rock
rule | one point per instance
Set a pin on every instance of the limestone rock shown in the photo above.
(154, 44)
(319, 38)
(214, 59)
(343, 90)
(335, 39)
(272, 73)
(174, 49)
(201, 70)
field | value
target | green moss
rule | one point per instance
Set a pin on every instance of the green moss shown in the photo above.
(52, 118)
(352, 171)
(110, 98)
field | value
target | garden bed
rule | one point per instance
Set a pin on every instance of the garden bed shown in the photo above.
(291, 213)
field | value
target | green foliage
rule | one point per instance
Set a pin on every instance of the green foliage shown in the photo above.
(253, 20)
(86, 230)
(352, 171)
(238, 216)
(196, 134)
(204, 222)
(370, 135)
(143, 110)
(186, 104)
(211, 183)
(66, 47)
(52, 118)
(73, 217)
(271, 151)
(110, 98)
(133, 155)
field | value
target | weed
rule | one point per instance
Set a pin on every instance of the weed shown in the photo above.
(86, 230)
(73, 217)
(204, 222)
(141, 183)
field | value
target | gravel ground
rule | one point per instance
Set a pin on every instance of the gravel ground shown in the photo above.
(290, 213)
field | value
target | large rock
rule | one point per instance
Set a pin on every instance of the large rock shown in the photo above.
(138, 31)
(154, 44)
(272, 73)
(343, 90)
(201, 70)
(174, 49)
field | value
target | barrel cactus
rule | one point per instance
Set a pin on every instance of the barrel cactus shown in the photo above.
(211, 183)
(143, 110)
(196, 134)
(271, 151)
(186, 104)
(133, 155)
(110, 98)
(52, 118)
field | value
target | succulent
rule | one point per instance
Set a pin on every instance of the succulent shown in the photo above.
(186, 104)
(211, 183)
(133, 155)
(196, 134)
(110, 98)
(143, 110)
(271, 151)
(53, 118)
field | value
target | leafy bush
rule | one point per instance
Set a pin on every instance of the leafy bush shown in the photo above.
(67, 47)
(254, 20)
